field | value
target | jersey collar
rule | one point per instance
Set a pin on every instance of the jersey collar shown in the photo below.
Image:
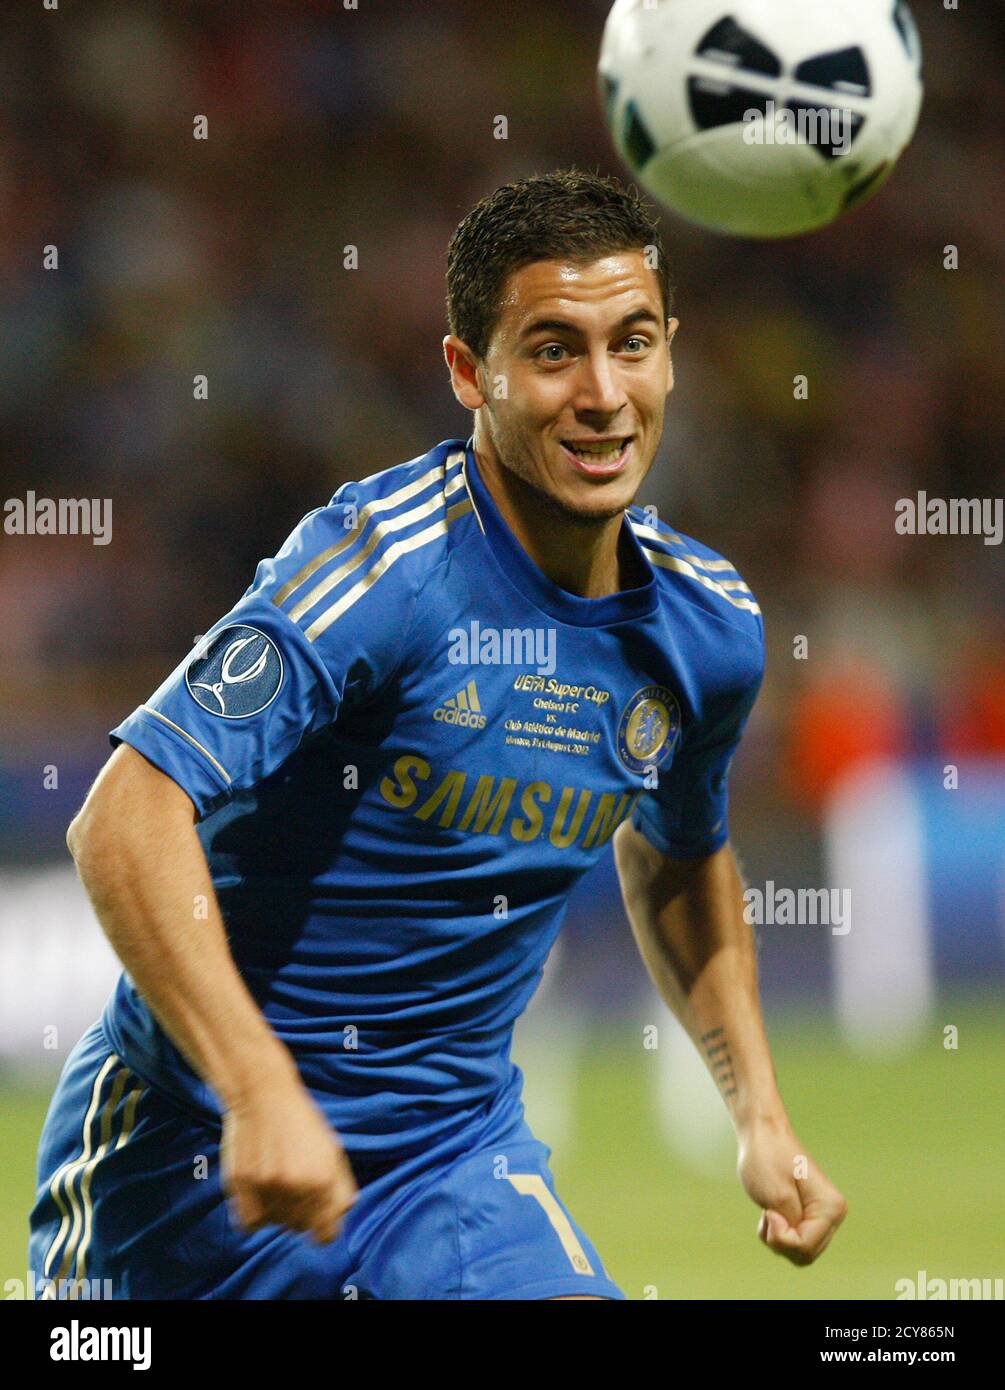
(521, 571)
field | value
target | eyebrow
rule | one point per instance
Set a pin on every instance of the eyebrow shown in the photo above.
(564, 326)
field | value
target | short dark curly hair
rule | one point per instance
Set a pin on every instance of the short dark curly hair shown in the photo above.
(568, 215)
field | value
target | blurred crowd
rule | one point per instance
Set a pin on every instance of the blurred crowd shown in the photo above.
(373, 127)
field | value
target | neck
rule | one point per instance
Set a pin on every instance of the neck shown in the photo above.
(587, 558)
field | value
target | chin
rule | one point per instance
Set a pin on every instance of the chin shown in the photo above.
(602, 507)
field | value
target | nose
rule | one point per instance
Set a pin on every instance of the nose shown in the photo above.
(599, 390)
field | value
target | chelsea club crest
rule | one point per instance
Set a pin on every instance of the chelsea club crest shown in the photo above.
(649, 728)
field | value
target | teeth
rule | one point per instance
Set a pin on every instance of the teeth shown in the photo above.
(613, 447)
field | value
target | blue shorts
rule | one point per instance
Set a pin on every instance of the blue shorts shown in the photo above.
(130, 1206)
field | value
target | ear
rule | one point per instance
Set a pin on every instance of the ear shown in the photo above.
(463, 367)
(672, 326)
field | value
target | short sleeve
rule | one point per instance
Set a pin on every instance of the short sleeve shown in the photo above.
(305, 639)
(686, 815)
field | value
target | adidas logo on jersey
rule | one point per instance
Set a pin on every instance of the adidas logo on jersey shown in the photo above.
(463, 708)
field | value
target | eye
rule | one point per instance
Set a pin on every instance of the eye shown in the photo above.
(555, 348)
(640, 344)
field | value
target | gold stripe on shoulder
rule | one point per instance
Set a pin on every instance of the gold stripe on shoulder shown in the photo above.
(651, 534)
(360, 557)
(710, 566)
(673, 562)
(392, 554)
(194, 741)
(379, 504)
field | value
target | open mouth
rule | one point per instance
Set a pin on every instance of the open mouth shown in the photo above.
(598, 458)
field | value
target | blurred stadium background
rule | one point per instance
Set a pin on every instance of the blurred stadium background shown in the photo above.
(374, 127)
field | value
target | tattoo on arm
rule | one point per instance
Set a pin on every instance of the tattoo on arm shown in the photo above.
(716, 1046)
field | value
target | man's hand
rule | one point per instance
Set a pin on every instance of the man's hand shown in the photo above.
(801, 1213)
(283, 1164)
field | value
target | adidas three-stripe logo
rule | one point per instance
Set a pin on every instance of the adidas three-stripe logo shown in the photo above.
(464, 708)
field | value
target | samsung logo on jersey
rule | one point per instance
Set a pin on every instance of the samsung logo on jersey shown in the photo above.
(488, 805)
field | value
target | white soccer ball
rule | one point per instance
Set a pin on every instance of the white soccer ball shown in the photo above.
(763, 118)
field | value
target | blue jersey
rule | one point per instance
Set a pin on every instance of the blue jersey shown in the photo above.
(405, 744)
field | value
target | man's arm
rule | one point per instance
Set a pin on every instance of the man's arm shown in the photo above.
(142, 864)
(687, 918)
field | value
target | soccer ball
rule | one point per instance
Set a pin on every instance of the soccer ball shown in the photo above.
(763, 118)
